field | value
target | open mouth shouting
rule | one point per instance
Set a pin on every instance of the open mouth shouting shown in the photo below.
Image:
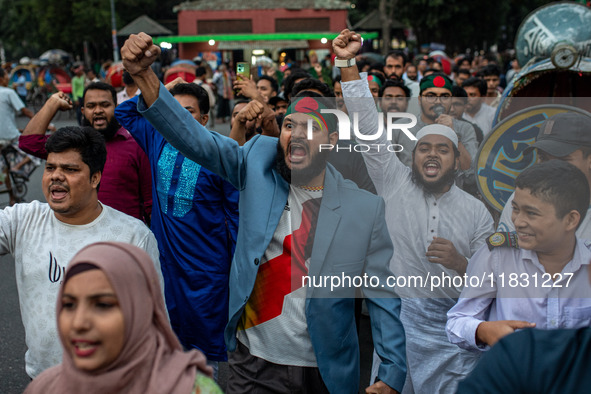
(431, 168)
(58, 192)
(297, 152)
(99, 122)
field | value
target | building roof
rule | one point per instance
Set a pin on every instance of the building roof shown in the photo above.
(146, 24)
(227, 5)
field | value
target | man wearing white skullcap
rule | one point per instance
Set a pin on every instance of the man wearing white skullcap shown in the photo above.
(435, 228)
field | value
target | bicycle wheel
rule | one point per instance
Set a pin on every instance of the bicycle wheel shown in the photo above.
(19, 189)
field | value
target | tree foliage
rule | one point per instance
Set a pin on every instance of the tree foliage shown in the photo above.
(30, 27)
(459, 24)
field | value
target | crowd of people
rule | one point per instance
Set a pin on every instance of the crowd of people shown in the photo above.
(169, 248)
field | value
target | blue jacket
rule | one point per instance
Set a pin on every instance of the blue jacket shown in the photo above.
(195, 220)
(351, 239)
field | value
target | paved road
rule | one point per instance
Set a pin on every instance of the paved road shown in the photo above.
(13, 378)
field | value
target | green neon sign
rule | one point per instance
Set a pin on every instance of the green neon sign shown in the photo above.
(254, 36)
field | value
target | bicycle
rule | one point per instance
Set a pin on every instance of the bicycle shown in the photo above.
(16, 184)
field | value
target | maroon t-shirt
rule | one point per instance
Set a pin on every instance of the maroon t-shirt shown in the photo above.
(126, 182)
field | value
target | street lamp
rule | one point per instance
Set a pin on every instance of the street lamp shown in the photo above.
(114, 33)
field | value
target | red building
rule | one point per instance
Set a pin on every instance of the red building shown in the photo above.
(247, 25)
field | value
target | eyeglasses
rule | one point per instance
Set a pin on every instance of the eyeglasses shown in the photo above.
(431, 98)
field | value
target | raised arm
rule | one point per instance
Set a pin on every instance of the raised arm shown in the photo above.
(33, 139)
(382, 163)
(40, 122)
(138, 54)
(213, 151)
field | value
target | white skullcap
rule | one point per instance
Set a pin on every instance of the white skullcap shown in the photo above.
(438, 129)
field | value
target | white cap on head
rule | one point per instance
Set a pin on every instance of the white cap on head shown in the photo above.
(438, 129)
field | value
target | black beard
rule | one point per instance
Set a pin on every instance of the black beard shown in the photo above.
(109, 132)
(303, 176)
(435, 187)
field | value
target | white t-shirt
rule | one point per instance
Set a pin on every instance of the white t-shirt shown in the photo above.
(122, 96)
(10, 104)
(483, 118)
(274, 325)
(42, 247)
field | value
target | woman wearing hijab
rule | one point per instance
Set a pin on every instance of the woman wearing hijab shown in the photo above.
(115, 332)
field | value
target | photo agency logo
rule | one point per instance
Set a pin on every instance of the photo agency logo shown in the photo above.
(321, 117)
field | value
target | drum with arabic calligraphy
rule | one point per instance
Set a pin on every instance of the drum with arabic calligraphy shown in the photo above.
(553, 45)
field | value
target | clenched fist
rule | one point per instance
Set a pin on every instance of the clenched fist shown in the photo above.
(250, 112)
(347, 44)
(138, 53)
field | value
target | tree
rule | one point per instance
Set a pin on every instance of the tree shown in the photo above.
(386, 9)
(459, 24)
(30, 27)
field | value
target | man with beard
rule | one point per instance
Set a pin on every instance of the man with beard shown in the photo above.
(435, 228)
(395, 62)
(299, 219)
(435, 103)
(126, 183)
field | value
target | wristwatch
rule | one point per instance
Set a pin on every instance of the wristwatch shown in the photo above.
(344, 63)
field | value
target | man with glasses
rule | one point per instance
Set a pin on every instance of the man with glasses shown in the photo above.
(435, 103)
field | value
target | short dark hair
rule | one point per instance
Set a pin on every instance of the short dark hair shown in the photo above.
(477, 83)
(84, 140)
(558, 183)
(312, 83)
(464, 71)
(362, 63)
(394, 83)
(290, 81)
(192, 89)
(2, 72)
(100, 86)
(200, 71)
(240, 101)
(490, 69)
(457, 91)
(376, 66)
(272, 81)
(490, 57)
(397, 53)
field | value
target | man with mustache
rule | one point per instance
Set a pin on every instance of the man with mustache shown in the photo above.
(127, 181)
(435, 103)
(299, 220)
(435, 227)
(394, 96)
(43, 237)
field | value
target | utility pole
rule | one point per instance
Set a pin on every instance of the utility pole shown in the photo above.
(114, 33)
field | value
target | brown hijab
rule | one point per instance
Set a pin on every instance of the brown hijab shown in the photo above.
(152, 360)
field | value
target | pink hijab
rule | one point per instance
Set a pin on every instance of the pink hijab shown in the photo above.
(152, 360)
